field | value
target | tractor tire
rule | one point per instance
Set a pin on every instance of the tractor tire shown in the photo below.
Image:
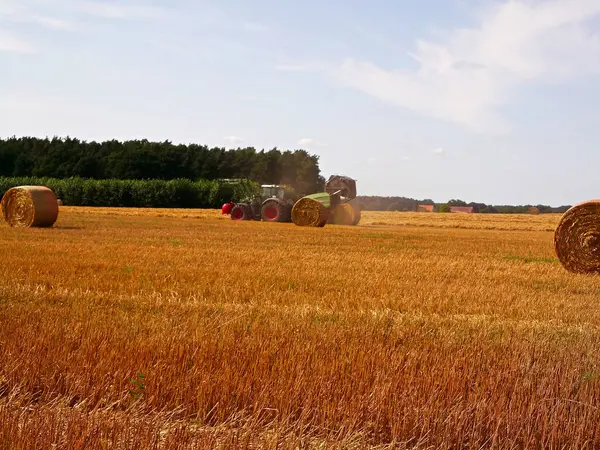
(275, 211)
(241, 211)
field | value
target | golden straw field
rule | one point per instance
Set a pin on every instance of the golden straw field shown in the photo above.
(145, 329)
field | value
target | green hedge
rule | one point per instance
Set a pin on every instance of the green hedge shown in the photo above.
(179, 193)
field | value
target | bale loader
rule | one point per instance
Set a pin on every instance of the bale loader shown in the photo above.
(342, 190)
(337, 205)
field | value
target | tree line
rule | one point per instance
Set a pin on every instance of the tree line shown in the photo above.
(62, 158)
(128, 161)
(378, 203)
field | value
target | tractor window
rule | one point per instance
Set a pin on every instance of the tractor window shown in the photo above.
(270, 191)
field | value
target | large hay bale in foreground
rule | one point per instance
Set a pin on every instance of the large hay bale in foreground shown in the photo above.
(312, 210)
(577, 238)
(29, 206)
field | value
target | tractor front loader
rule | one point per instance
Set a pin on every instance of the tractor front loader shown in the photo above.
(344, 209)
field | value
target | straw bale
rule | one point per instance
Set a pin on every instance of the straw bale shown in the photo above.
(311, 211)
(29, 206)
(577, 238)
(343, 214)
(357, 215)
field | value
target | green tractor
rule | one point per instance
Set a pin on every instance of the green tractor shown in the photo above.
(272, 204)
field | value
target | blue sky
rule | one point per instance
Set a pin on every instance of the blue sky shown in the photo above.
(491, 101)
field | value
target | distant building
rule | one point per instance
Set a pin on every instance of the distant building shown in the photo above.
(425, 208)
(461, 209)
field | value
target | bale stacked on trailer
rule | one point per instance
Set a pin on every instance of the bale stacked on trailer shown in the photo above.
(312, 210)
(577, 238)
(29, 206)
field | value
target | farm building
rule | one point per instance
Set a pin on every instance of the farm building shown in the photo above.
(461, 209)
(425, 208)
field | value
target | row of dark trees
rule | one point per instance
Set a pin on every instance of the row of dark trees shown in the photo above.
(62, 158)
(142, 159)
(376, 203)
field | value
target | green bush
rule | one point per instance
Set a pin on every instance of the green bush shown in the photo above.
(178, 193)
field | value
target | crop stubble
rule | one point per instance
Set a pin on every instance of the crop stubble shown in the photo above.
(151, 328)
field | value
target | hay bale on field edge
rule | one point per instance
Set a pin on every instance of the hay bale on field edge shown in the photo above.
(577, 238)
(29, 206)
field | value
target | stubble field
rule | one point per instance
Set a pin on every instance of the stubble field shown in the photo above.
(183, 329)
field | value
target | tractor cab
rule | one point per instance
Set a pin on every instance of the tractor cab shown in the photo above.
(272, 191)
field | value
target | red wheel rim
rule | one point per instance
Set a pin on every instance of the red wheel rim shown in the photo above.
(271, 213)
(237, 214)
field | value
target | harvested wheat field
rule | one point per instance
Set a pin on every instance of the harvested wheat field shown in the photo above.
(169, 329)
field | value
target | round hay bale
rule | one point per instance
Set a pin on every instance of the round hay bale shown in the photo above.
(60, 202)
(357, 216)
(343, 214)
(577, 238)
(311, 212)
(29, 206)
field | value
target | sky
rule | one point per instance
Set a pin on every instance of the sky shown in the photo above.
(487, 101)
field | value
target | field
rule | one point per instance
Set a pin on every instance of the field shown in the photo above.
(183, 329)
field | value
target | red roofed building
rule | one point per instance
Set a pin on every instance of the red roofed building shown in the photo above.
(461, 209)
(425, 208)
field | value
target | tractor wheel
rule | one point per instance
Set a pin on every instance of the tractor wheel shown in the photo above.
(241, 212)
(273, 211)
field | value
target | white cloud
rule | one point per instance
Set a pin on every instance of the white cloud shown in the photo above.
(254, 26)
(120, 11)
(51, 22)
(12, 44)
(24, 12)
(301, 67)
(472, 72)
(309, 142)
(47, 22)
(233, 140)
(292, 67)
(437, 151)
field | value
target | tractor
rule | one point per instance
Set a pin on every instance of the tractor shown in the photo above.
(273, 204)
